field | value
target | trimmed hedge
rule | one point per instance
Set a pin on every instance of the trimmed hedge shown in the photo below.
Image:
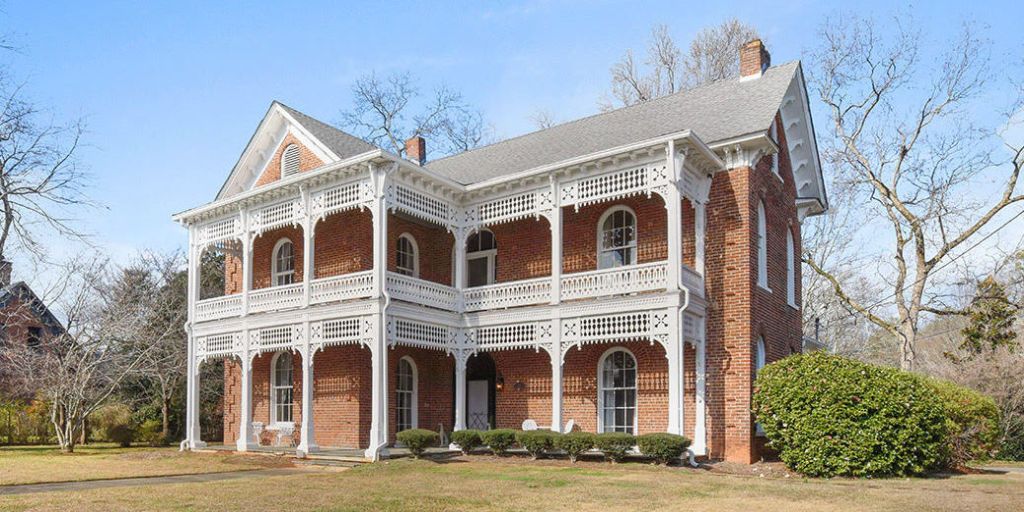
(614, 445)
(535, 442)
(827, 415)
(575, 443)
(468, 440)
(417, 440)
(499, 440)
(663, 447)
(972, 421)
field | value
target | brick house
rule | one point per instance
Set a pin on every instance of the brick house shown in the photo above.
(25, 321)
(628, 271)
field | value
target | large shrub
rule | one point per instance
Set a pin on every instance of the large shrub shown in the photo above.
(499, 440)
(972, 421)
(468, 440)
(151, 432)
(615, 445)
(114, 423)
(574, 443)
(827, 415)
(535, 442)
(663, 447)
(417, 440)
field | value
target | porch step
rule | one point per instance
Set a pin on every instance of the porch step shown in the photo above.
(347, 459)
(330, 463)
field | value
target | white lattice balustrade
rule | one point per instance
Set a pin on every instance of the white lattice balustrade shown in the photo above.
(614, 281)
(506, 295)
(420, 334)
(218, 307)
(421, 205)
(419, 291)
(343, 287)
(275, 298)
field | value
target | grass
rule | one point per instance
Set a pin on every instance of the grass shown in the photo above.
(479, 483)
(39, 464)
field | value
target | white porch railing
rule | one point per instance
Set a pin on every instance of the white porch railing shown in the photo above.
(506, 295)
(693, 281)
(275, 298)
(219, 307)
(343, 287)
(615, 281)
(419, 291)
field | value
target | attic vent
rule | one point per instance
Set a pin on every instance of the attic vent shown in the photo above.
(290, 160)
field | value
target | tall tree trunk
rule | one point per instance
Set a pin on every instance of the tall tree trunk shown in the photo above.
(908, 340)
(165, 411)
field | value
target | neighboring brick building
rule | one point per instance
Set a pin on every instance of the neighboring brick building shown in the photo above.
(627, 271)
(25, 321)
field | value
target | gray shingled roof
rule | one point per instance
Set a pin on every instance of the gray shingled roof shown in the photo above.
(715, 112)
(341, 143)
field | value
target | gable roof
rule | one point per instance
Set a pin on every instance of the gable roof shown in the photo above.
(22, 292)
(716, 112)
(342, 144)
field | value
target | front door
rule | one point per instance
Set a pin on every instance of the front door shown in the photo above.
(477, 409)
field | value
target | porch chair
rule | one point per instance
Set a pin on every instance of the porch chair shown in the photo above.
(257, 429)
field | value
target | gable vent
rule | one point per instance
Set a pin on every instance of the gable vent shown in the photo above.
(290, 160)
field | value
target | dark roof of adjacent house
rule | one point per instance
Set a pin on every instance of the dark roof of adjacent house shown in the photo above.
(715, 112)
(21, 291)
(339, 142)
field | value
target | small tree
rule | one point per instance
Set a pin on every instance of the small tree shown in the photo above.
(990, 320)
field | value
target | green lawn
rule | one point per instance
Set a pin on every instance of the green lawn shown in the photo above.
(485, 483)
(37, 464)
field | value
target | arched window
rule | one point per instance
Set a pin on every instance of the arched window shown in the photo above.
(481, 256)
(790, 269)
(760, 357)
(616, 238)
(290, 160)
(282, 270)
(762, 247)
(405, 391)
(407, 259)
(281, 388)
(616, 392)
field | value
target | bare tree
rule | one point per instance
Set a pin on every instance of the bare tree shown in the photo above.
(40, 183)
(543, 119)
(712, 56)
(77, 371)
(382, 114)
(902, 137)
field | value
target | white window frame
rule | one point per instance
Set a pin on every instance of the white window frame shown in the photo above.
(632, 245)
(415, 270)
(286, 159)
(276, 274)
(790, 268)
(762, 247)
(413, 393)
(490, 254)
(274, 387)
(601, 388)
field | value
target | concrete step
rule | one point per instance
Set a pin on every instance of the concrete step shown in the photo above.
(330, 463)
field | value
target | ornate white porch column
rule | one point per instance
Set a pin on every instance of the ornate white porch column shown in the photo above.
(461, 358)
(307, 443)
(246, 262)
(379, 348)
(193, 431)
(460, 266)
(244, 441)
(556, 374)
(673, 207)
(307, 249)
(674, 353)
(555, 219)
(699, 429)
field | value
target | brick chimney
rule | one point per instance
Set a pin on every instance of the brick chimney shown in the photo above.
(754, 59)
(5, 273)
(416, 150)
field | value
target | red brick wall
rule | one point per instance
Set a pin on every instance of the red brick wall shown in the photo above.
(524, 249)
(435, 247)
(579, 232)
(435, 380)
(263, 254)
(307, 161)
(343, 244)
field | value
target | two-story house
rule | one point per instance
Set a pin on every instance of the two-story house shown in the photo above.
(629, 271)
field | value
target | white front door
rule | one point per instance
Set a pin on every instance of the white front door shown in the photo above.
(476, 405)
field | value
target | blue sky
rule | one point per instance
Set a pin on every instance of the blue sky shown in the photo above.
(172, 91)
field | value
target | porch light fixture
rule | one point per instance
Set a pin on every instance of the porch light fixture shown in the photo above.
(499, 382)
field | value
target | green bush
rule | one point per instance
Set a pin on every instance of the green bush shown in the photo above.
(114, 423)
(535, 442)
(468, 440)
(827, 415)
(151, 432)
(663, 447)
(574, 443)
(499, 440)
(614, 445)
(972, 421)
(417, 440)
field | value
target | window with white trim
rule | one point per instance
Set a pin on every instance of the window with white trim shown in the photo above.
(281, 389)
(405, 391)
(616, 392)
(282, 270)
(481, 258)
(790, 268)
(407, 256)
(290, 160)
(616, 238)
(762, 247)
